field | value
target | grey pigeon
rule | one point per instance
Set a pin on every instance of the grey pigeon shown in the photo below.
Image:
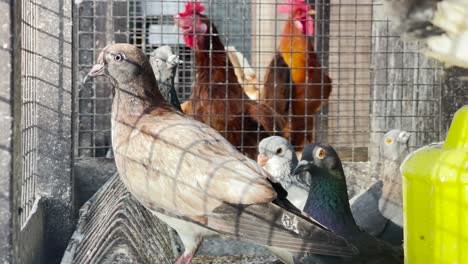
(192, 178)
(164, 63)
(394, 149)
(378, 210)
(277, 157)
(321, 169)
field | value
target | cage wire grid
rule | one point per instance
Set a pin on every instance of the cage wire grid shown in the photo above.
(29, 136)
(379, 82)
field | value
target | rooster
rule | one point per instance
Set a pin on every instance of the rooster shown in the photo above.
(217, 98)
(312, 86)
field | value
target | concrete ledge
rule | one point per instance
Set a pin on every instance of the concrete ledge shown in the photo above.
(31, 235)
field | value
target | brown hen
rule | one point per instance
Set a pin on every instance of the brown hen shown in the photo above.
(217, 98)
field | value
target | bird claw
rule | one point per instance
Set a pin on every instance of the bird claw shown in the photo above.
(184, 259)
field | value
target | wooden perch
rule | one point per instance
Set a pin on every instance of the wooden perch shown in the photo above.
(114, 228)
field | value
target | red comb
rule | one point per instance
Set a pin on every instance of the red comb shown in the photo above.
(192, 7)
(291, 5)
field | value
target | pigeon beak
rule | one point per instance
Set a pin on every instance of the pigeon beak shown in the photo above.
(97, 70)
(174, 59)
(404, 137)
(262, 160)
(311, 12)
(302, 166)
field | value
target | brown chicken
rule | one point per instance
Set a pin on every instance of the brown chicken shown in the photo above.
(217, 98)
(312, 86)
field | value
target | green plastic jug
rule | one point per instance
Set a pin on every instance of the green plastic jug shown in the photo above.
(435, 199)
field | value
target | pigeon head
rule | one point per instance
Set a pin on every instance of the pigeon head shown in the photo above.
(320, 157)
(164, 62)
(394, 145)
(328, 197)
(122, 62)
(129, 70)
(277, 156)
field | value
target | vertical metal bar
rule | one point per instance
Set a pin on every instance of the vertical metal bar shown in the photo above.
(75, 80)
(354, 78)
(337, 87)
(226, 41)
(93, 95)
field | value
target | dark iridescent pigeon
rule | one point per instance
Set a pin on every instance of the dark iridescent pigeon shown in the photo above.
(321, 169)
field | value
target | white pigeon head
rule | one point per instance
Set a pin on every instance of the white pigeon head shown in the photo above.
(164, 62)
(394, 145)
(277, 157)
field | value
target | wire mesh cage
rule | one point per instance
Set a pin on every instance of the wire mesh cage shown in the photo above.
(29, 127)
(321, 70)
(42, 105)
(378, 82)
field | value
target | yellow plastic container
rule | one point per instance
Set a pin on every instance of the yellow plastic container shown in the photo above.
(435, 199)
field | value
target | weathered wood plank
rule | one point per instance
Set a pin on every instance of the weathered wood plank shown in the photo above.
(114, 228)
(406, 87)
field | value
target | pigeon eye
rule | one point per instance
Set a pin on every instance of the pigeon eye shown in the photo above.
(118, 57)
(388, 141)
(279, 151)
(320, 153)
